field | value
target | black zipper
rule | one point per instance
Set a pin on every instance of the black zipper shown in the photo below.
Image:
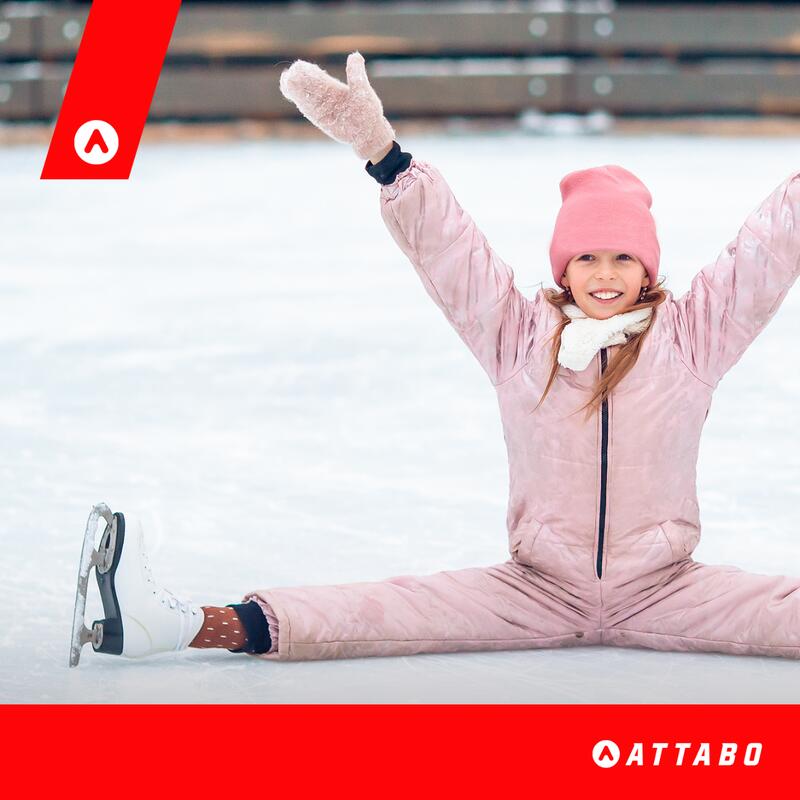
(603, 471)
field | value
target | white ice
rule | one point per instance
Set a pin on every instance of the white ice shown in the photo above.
(232, 345)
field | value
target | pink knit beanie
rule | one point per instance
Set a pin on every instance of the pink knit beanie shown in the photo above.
(604, 208)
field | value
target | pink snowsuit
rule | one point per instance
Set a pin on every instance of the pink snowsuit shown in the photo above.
(603, 515)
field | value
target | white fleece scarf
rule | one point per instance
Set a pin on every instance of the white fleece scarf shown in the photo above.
(584, 336)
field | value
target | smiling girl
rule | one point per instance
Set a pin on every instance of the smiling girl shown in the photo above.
(602, 515)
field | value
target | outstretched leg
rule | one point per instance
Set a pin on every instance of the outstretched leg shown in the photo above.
(713, 608)
(503, 607)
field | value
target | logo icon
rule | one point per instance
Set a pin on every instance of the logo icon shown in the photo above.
(96, 142)
(605, 753)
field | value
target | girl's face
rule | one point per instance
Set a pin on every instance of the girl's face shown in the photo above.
(605, 271)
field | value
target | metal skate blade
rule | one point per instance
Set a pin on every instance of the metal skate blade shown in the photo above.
(85, 635)
(89, 557)
(79, 639)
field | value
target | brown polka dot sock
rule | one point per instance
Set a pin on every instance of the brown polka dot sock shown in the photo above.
(222, 627)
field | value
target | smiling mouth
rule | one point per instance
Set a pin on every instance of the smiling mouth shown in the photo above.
(612, 295)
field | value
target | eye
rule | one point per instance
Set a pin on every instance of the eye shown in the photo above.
(624, 255)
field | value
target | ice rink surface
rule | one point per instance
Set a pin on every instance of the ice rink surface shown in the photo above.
(231, 345)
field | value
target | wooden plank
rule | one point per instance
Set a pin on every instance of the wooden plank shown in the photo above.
(437, 88)
(53, 84)
(431, 28)
(235, 31)
(221, 92)
(470, 86)
(18, 89)
(32, 91)
(714, 86)
(684, 28)
(426, 87)
(61, 31)
(433, 88)
(16, 31)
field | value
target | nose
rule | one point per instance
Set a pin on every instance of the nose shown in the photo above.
(605, 266)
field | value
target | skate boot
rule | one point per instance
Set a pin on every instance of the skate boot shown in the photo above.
(141, 617)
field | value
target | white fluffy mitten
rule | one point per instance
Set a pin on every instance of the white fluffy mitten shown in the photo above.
(350, 113)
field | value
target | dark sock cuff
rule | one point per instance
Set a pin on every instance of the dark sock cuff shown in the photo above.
(256, 625)
(390, 166)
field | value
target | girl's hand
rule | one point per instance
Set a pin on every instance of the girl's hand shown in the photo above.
(350, 113)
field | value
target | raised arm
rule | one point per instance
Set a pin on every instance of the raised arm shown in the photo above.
(469, 282)
(732, 299)
(466, 279)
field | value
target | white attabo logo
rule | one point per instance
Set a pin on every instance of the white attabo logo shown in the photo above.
(96, 142)
(605, 753)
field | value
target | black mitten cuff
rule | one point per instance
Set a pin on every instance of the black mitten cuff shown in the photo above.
(390, 166)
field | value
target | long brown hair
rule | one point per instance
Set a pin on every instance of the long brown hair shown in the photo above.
(624, 360)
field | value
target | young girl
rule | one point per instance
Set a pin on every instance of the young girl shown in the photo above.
(604, 386)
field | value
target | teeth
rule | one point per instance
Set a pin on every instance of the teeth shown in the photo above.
(606, 295)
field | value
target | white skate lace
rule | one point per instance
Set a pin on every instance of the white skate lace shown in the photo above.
(165, 595)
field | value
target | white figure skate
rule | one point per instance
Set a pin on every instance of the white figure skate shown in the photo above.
(141, 618)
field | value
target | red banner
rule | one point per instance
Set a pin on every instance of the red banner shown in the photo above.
(401, 750)
(110, 89)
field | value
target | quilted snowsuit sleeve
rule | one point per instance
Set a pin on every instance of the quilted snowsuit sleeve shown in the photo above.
(469, 282)
(731, 300)
(480, 608)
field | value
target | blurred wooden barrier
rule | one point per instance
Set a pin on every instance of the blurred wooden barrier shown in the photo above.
(437, 58)
(252, 92)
